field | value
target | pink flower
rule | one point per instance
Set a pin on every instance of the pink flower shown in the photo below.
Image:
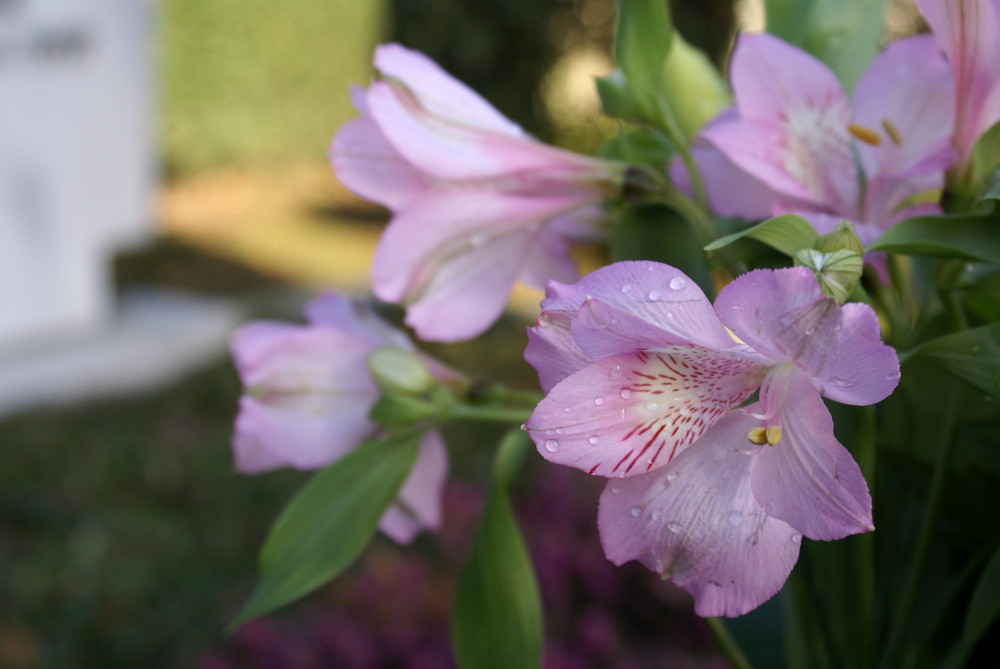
(308, 394)
(823, 157)
(646, 382)
(969, 33)
(477, 204)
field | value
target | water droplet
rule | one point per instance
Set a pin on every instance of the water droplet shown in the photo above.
(598, 401)
(652, 406)
(649, 268)
(809, 332)
(678, 283)
(594, 440)
(735, 518)
(842, 383)
(616, 491)
(615, 372)
(559, 430)
(635, 511)
(626, 288)
(796, 538)
(674, 526)
(654, 295)
(671, 477)
(625, 393)
(551, 445)
(656, 515)
(670, 314)
(567, 409)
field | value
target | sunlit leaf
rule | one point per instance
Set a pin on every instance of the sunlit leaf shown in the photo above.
(497, 617)
(329, 522)
(788, 234)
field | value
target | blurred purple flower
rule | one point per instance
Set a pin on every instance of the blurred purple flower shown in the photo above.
(700, 492)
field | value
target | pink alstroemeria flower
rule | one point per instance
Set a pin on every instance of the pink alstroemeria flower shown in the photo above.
(308, 394)
(477, 204)
(824, 158)
(646, 384)
(969, 33)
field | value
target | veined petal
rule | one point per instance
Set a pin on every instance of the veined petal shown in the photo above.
(792, 128)
(697, 522)
(731, 191)
(969, 33)
(418, 505)
(368, 165)
(307, 399)
(637, 304)
(454, 256)
(807, 479)
(906, 97)
(631, 413)
(341, 312)
(439, 93)
(782, 314)
(551, 349)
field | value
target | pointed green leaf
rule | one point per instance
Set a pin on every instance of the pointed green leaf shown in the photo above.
(986, 153)
(642, 42)
(972, 355)
(656, 232)
(329, 522)
(962, 236)
(984, 609)
(497, 617)
(788, 234)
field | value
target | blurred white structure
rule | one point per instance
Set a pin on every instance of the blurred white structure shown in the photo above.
(77, 171)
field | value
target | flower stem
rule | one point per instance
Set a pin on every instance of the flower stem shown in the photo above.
(727, 644)
(865, 550)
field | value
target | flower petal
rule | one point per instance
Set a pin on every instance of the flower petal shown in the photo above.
(356, 318)
(906, 97)
(697, 523)
(551, 349)
(731, 191)
(808, 479)
(418, 505)
(783, 315)
(634, 412)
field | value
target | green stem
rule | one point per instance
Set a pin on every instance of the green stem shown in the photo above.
(727, 644)
(865, 552)
(891, 659)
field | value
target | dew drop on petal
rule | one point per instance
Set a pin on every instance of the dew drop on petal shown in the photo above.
(674, 526)
(616, 491)
(551, 445)
(670, 478)
(598, 401)
(670, 314)
(796, 538)
(656, 515)
(652, 406)
(594, 440)
(678, 283)
(626, 288)
(842, 383)
(567, 409)
(809, 331)
(559, 430)
(635, 511)
(654, 295)
(615, 372)
(625, 393)
(735, 518)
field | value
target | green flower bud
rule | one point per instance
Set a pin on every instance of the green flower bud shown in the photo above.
(842, 238)
(838, 273)
(396, 370)
(693, 87)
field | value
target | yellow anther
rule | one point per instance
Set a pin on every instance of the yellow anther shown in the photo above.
(757, 436)
(773, 435)
(893, 132)
(733, 336)
(865, 134)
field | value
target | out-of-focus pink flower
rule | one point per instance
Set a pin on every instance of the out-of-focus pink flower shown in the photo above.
(307, 398)
(823, 157)
(645, 383)
(969, 33)
(477, 204)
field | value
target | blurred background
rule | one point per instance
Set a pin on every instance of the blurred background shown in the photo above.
(125, 537)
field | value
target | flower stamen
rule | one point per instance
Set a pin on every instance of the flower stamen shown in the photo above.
(893, 132)
(865, 134)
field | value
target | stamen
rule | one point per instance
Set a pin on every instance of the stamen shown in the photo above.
(865, 134)
(773, 435)
(733, 336)
(757, 436)
(893, 132)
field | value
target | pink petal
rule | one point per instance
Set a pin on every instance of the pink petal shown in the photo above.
(551, 349)
(731, 191)
(440, 94)
(367, 164)
(418, 506)
(906, 97)
(969, 33)
(783, 315)
(808, 479)
(355, 318)
(454, 258)
(546, 259)
(792, 127)
(697, 523)
(308, 395)
(631, 413)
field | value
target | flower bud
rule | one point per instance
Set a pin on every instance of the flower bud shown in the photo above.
(843, 237)
(397, 370)
(838, 272)
(694, 88)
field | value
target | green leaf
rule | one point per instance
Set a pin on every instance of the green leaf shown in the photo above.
(643, 146)
(986, 153)
(844, 34)
(497, 617)
(642, 42)
(329, 522)
(972, 355)
(962, 236)
(788, 234)
(656, 232)
(984, 609)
